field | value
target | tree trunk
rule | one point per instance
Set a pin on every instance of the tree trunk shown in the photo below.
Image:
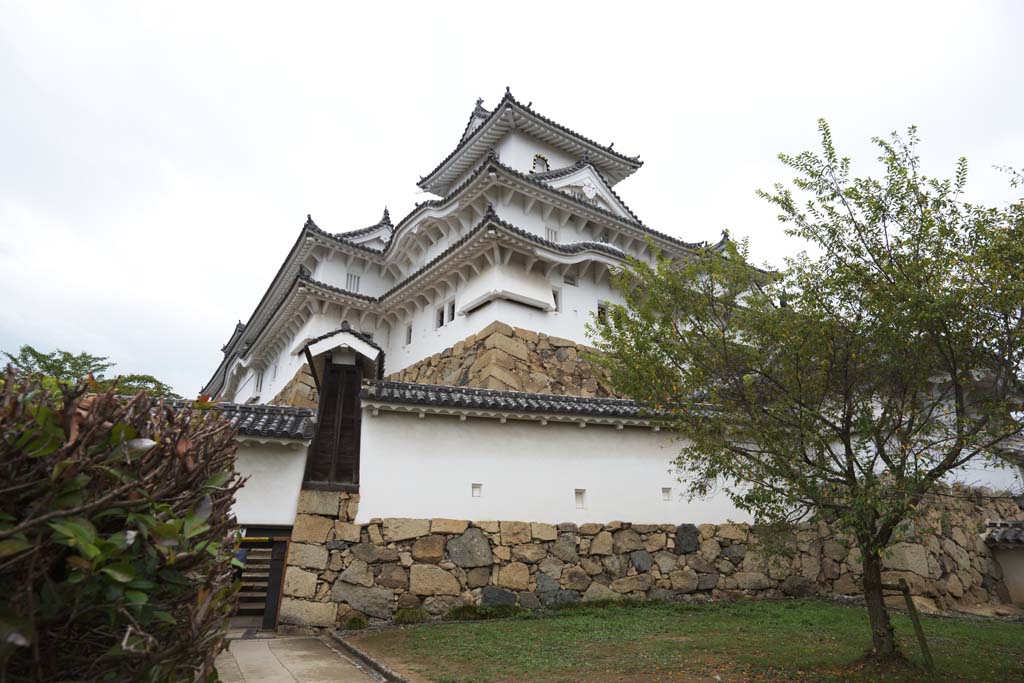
(883, 639)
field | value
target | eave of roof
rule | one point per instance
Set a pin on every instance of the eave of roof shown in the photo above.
(384, 222)
(492, 163)
(1005, 534)
(273, 422)
(345, 327)
(430, 182)
(489, 220)
(381, 392)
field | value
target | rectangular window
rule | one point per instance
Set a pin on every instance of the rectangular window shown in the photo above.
(476, 490)
(408, 335)
(259, 381)
(581, 499)
(666, 494)
(569, 280)
(551, 234)
(445, 314)
(333, 458)
(602, 312)
(352, 282)
(556, 294)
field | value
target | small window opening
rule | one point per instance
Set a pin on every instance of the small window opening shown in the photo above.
(352, 282)
(540, 164)
(602, 312)
(477, 489)
(666, 494)
(556, 294)
(552, 234)
(408, 335)
(259, 381)
(569, 280)
(581, 499)
(451, 312)
(440, 317)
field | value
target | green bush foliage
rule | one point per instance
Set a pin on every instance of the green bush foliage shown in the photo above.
(410, 615)
(356, 623)
(115, 536)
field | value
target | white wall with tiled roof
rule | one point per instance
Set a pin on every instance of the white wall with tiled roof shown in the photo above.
(526, 472)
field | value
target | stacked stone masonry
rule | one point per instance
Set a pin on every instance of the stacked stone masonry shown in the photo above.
(299, 392)
(509, 358)
(337, 569)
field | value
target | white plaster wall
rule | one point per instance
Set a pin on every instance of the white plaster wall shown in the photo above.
(578, 305)
(413, 467)
(1011, 561)
(271, 494)
(517, 150)
(333, 271)
(980, 472)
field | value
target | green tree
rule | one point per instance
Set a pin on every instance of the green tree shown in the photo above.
(847, 385)
(68, 369)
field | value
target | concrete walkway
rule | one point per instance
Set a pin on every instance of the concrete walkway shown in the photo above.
(287, 660)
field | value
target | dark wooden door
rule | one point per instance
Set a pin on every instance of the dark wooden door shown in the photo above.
(334, 455)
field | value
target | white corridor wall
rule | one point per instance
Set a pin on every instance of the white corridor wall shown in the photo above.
(271, 495)
(419, 468)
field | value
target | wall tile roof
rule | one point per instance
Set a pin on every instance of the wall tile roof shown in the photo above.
(508, 99)
(1004, 534)
(279, 422)
(512, 401)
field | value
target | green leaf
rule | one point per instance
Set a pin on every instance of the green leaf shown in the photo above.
(77, 531)
(122, 432)
(193, 531)
(122, 572)
(136, 597)
(218, 480)
(13, 545)
(165, 617)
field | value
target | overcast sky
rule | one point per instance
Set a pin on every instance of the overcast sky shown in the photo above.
(158, 160)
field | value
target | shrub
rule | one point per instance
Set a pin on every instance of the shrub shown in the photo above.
(482, 612)
(356, 623)
(410, 615)
(115, 536)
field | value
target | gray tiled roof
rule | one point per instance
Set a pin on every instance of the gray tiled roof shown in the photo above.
(385, 221)
(634, 162)
(279, 422)
(512, 401)
(1005, 534)
(345, 327)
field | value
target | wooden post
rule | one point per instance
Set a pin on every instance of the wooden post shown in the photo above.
(902, 587)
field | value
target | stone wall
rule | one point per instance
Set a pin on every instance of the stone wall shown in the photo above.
(504, 357)
(337, 569)
(300, 391)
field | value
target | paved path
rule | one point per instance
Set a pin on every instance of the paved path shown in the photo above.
(287, 660)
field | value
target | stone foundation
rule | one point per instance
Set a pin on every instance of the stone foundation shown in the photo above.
(507, 358)
(337, 569)
(299, 392)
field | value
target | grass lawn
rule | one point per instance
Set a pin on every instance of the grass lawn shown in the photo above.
(746, 641)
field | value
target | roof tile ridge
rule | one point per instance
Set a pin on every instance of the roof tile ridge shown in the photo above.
(508, 98)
